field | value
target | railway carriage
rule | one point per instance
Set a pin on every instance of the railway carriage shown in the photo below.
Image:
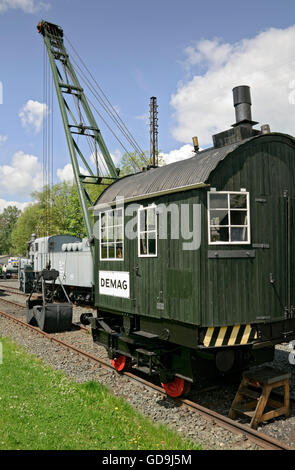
(194, 261)
(215, 292)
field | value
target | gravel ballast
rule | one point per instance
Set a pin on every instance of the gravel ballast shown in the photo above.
(151, 403)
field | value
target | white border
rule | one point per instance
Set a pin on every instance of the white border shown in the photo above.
(248, 225)
(123, 239)
(112, 291)
(141, 208)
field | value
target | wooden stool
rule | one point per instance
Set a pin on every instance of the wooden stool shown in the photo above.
(257, 385)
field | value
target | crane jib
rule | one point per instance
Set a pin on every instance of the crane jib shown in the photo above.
(77, 119)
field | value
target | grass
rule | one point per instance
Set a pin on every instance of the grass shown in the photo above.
(41, 409)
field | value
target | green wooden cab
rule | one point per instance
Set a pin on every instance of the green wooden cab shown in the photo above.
(194, 261)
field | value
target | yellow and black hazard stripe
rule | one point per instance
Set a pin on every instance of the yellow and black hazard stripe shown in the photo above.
(229, 335)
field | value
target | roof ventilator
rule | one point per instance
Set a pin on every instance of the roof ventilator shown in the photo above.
(243, 127)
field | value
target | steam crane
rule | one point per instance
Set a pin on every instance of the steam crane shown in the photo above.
(77, 120)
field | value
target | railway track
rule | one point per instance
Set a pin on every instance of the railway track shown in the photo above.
(260, 439)
(11, 302)
(11, 290)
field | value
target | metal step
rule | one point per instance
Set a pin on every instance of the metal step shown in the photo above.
(145, 352)
(146, 334)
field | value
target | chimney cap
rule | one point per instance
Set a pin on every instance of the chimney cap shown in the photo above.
(242, 104)
(241, 94)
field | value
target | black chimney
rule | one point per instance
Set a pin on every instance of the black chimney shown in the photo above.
(242, 129)
(242, 104)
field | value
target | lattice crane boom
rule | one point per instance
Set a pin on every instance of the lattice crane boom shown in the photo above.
(78, 120)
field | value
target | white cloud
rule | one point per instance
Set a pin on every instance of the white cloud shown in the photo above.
(204, 105)
(19, 205)
(32, 114)
(66, 173)
(22, 177)
(184, 152)
(211, 52)
(145, 117)
(3, 139)
(28, 6)
(116, 157)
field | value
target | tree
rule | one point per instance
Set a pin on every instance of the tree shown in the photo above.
(60, 210)
(132, 162)
(29, 222)
(8, 220)
(56, 211)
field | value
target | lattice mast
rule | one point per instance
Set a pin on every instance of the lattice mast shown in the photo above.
(154, 152)
(76, 121)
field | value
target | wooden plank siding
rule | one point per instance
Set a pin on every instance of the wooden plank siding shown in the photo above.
(198, 290)
(239, 290)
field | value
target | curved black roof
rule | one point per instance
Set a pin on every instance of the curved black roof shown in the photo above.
(178, 176)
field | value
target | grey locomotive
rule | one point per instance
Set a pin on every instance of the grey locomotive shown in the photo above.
(67, 254)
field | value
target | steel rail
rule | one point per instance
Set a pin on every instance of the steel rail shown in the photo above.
(12, 290)
(10, 287)
(12, 303)
(260, 439)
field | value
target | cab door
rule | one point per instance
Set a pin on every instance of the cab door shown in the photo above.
(274, 256)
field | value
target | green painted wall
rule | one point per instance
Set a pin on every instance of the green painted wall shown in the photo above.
(214, 292)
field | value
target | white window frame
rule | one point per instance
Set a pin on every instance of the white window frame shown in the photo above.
(248, 225)
(109, 242)
(142, 208)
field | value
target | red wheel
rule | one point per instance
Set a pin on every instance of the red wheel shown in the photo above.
(120, 363)
(175, 388)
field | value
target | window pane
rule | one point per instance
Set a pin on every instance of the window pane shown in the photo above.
(238, 217)
(218, 217)
(152, 243)
(238, 201)
(110, 219)
(239, 234)
(142, 220)
(218, 201)
(111, 250)
(231, 225)
(119, 251)
(118, 213)
(151, 219)
(104, 235)
(104, 252)
(110, 234)
(219, 234)
(147, 231)
(143, 244)
(103, 220)
(118, 233)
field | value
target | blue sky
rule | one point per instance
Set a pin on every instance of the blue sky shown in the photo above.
(188, 54)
